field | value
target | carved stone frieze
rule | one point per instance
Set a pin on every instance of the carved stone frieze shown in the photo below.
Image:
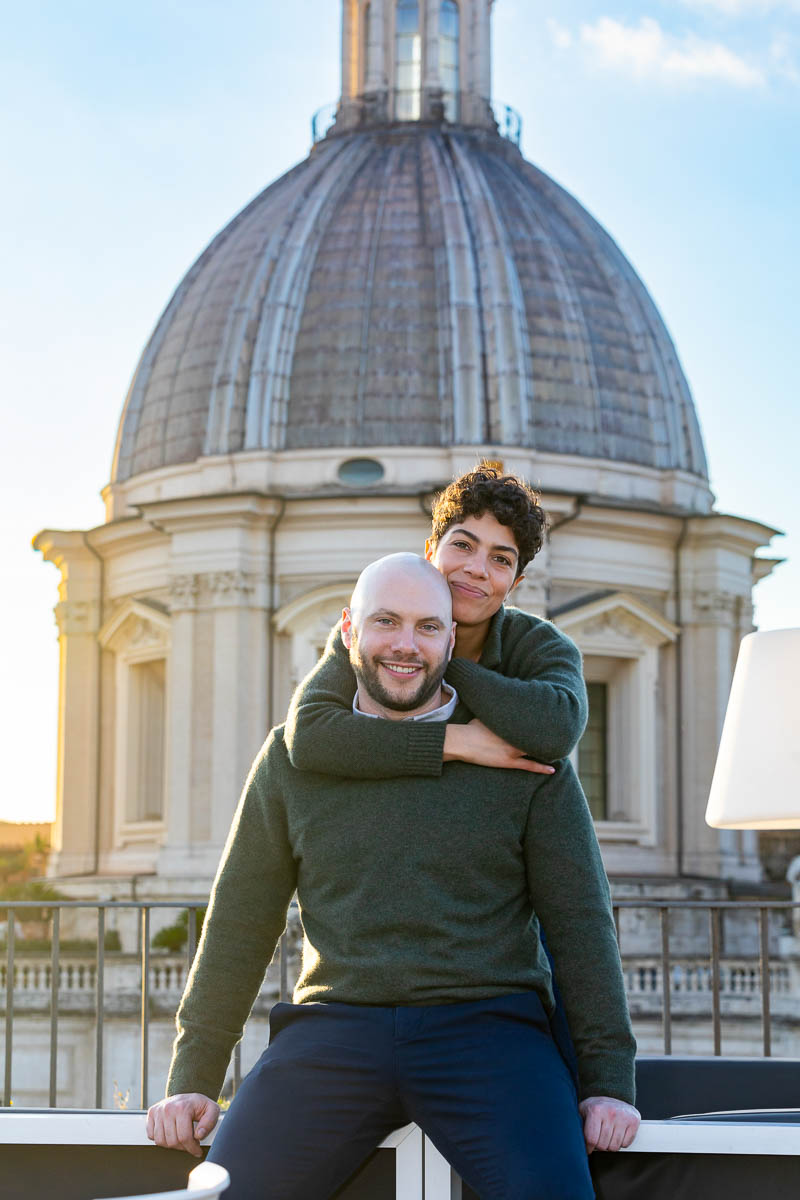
(616, 623)
(212, 589)
(230, 587)
(715, 607)
(76, 617)
(142, 633)
(184, 591)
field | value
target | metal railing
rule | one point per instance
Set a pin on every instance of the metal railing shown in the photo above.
(670, 976)
(70, 982)
(455, 108)
(739, 975)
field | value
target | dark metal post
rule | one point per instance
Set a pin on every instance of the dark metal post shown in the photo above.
(9, 1006)
(145, 930)
(715, 987)
(665, 981)
(55, 967)
(100, 1005)
(763, 945)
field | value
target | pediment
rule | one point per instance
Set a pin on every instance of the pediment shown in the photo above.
(314, 612)
(616, 622)
(136, 625)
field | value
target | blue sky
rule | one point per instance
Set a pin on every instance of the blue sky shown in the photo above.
(130, 134)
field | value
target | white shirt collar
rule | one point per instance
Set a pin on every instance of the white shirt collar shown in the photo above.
(443, 713)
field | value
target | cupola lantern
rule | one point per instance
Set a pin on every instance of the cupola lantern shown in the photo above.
(415, 60)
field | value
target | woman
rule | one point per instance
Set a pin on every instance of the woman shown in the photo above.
(518, 675)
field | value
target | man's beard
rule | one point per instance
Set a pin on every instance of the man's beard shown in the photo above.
(367, 674)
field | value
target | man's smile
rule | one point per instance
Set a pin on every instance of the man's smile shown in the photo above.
(402, 669)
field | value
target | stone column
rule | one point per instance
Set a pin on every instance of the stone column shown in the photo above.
(219, 566)
(78, 619)
(483, 77)
(432, 95)
(349, 50)
(375, 65)
(716, 569)
(748, 838)
(708, 639)
(239, 717)
(475, 57)
(175, 855)
(375, 98)
(348, 108)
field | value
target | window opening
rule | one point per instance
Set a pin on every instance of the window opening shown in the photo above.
(407, 61)
(448, 57)
(145, 793)
(593, 752)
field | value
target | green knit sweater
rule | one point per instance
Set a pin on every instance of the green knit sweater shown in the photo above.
(528, 688)
(410, 892)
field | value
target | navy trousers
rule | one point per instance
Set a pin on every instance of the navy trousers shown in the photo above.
(483, 1079)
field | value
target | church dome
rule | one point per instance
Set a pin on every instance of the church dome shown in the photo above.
(411, 284)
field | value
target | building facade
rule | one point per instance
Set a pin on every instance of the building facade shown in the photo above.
(412, 297)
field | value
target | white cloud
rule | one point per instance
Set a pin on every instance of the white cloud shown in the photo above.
(738, 8)
(646, 50)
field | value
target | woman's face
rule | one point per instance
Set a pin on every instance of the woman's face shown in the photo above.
(478, 557)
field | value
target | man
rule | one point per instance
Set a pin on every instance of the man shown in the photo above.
(519, 675)
(424, 992)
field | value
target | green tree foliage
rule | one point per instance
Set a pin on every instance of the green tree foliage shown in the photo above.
(175, 937)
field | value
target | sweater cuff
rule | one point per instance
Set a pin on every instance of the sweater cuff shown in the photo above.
(425, 747)
(617, 1081)
(199, 1064)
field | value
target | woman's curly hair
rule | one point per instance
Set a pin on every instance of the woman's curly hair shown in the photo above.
(508, 498)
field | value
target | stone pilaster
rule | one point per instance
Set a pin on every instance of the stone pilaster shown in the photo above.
(175, 855)
(78, 620)
(239, 716)
(716, 610)
(432, 95)
(375, 65)
(708, 638)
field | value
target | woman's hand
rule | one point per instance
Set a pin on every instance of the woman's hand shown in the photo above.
(476, 743)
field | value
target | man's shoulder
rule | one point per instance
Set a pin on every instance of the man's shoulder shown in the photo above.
(273, 755)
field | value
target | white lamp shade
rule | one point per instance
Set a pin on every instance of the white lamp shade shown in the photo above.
(756, 782)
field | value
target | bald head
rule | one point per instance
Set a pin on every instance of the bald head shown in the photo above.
(378, 580)
(400, 633)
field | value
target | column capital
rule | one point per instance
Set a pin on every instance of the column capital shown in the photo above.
(77, 617)
(230, 588)
(713, 607)
(184, 592)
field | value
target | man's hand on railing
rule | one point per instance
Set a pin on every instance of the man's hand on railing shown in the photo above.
(476, 743)
(180, 1122)
(608, 1124)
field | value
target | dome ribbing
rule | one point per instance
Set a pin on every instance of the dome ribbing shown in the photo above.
(411, 286)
